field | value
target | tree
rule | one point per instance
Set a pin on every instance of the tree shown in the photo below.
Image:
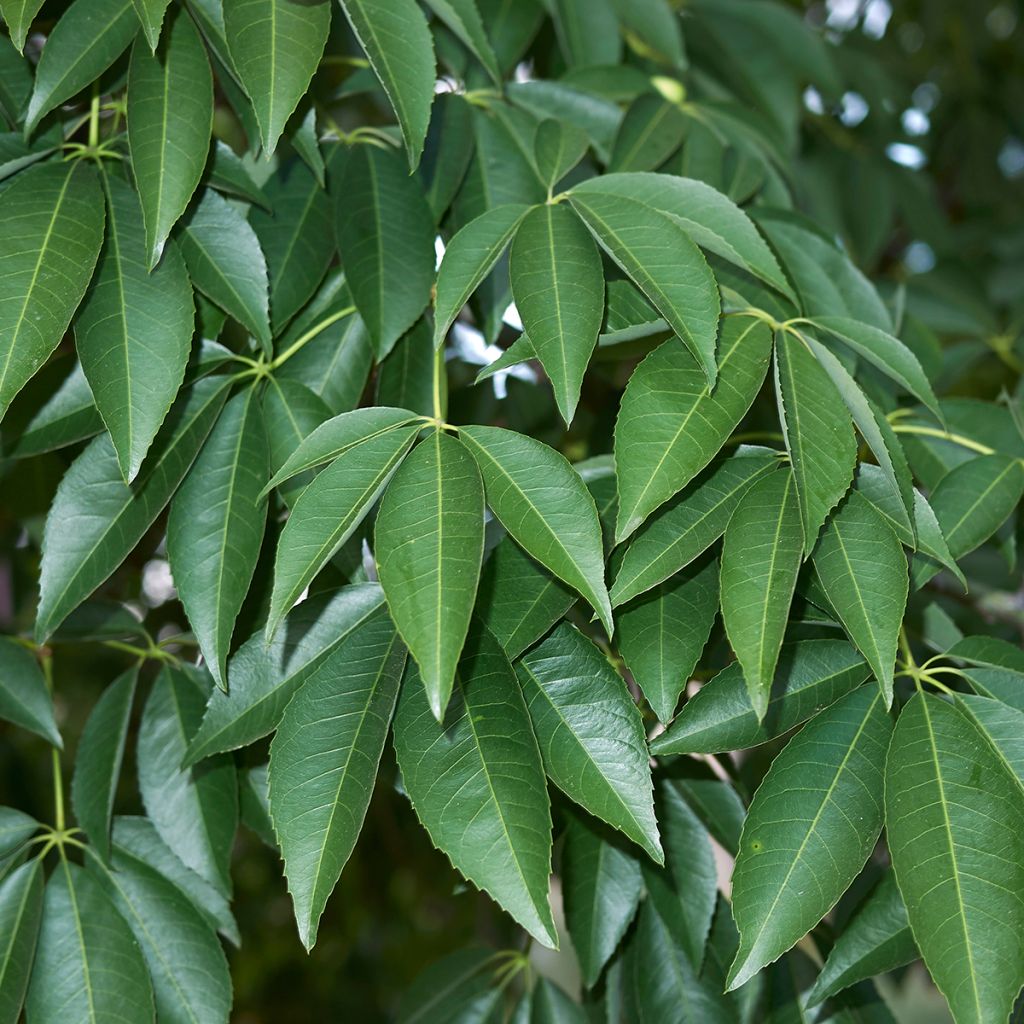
(593, 425)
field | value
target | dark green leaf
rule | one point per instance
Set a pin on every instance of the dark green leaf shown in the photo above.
(650, 133)
(456, 988)
(462, 17)
(24, 698)
(15, 827)
(21, 908)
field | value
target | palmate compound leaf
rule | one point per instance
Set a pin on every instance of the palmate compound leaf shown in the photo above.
(590, 733)
(954, 819)
(545, 507)
(429, 543)
(323, 764)
(811, 827)
(670, 426)
(477, 782)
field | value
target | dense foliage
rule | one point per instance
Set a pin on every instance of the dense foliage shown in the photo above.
(599, 419)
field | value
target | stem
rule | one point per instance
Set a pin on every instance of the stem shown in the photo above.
(438, 372)
(944, 435)
(94, 118)
(310, 335)
(58, 782)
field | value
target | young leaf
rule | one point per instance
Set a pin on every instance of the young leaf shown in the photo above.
(558, 287)
(818, 430)
(429, 542)
(275, 47)
(134, 331)
(98, 760)
(670, 426)
(761, 557)
(812, 825)
(21, 908)
(665, 264)
(51, 230)
(397, 41)
(170, 114)
(590, 733)
(862, 569)
(323, 764)
(955, 824)
(24, 698)
(545, 507)
(477, 783)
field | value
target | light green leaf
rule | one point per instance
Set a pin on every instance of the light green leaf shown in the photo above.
(689, 524)
(662, 635)
(275, 47)
(227, 264)
(590, 733)
(51, 230)
(761, 557)
(468, 258)
(462, 17)
(665, 264)
(955, 825)
(24, 698)
(862, 569)
(98, 760)
(545, 507)
(477, 783)
(558, 147)
(329, 510)
(134, 331)
(812, 825)
(88, 38)
(323, 764)
(170, 114)
(670, 426)
(21, 910)
(810, 675)
(397, 41)
(558, 287)
(88, 967)
(429, 543)
(215, 527)
(19, 15)
(96, 519)
(656, 23)
(931, 541)
(818, 430)
(194, 810)
(386, 239)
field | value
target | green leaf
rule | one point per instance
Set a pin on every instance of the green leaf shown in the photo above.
(587, 31)
(195, 810)
(227, 264)
(323, 764)
(955, 825)
(462, 17)
(24, 698)
(602, 888)
(1001, 727)
(386, 239)
(96, 519)
(652, 130)
(477, 783)
(227, 173)
(406, 377)
(170, 114)
(51, 229)
(15, 827)
(215, 527)
(545, 507)
(329, 510)
(469, 257)
(275, 47)
(590, 733)
(305, 140)
(397, 41)
(134, 331)
(656, 23)
(558, 287)
(67, 66)
(689, 524)
(557, 148)
(98, 760)
(187, 966)
(19, 15)
(457, 989)
(862, 569)
(21, 909)
(263, 678)
(710, 218)
(661, 636)
(670, 426)
(429, 543)
(151, 16)
(876, 940)
(665, 264)
(761, 557)
(290, 412)
(810, 675)
(818, 430)
(88, 967)
(811, 827)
